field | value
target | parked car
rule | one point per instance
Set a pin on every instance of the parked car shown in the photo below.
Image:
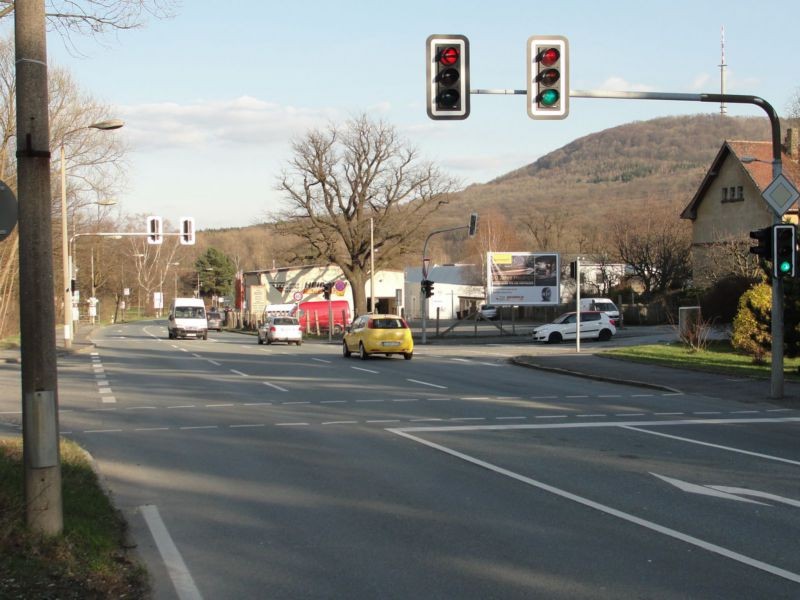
(487, 312)
(280, 329)
(378, 334)
(594, 324)
(214, 320)
(603, 305)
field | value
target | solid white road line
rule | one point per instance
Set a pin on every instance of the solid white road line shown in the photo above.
(441, 387)
(752, 562)
(176, 568)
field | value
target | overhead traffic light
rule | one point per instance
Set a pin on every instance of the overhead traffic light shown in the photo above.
(187, 231)
(548, 77)
(764, 247)
(447, 86)
(154, 230)
(427, 288)
(784, 250)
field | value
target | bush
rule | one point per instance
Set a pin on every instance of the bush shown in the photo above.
(720, 303)
(751, 326)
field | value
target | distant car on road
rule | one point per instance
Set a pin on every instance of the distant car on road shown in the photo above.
(214, 320)
(487, 312)
(378, 334)
(594, 324)
(280, 329)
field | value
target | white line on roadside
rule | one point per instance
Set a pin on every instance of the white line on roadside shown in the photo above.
(605, 509)
(178, 572)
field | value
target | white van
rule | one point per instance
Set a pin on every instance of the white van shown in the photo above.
(187, 318)
(603, 305)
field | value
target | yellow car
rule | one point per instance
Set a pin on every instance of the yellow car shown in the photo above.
(378, 334)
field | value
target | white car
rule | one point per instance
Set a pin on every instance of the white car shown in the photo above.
(280, 329)
(487, 312)
(594, 325)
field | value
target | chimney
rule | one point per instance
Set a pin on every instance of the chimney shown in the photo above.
(792, 142)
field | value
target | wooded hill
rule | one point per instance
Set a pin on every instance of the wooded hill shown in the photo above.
(566, 200)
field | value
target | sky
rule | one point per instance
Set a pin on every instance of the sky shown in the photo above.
(213, 97)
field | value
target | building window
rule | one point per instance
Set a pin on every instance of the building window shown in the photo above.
(740, 193)
(724, 194)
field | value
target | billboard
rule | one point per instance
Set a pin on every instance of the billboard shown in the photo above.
(523, 278)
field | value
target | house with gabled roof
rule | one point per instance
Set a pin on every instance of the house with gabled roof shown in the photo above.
(728, 204)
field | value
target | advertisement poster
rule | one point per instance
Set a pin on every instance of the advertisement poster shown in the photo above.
(523, 278)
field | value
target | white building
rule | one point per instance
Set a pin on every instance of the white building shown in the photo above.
(457, 289)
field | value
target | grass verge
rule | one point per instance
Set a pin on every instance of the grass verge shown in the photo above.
(719, 357)
(89, 560)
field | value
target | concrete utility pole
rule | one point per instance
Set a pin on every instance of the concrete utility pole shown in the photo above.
(37, 310)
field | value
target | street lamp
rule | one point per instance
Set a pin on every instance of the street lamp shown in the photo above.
(103, 126)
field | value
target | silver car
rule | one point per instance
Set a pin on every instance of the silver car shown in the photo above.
(280, 329)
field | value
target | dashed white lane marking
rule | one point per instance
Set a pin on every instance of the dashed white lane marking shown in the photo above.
(365, 370)
(108, 400)
(340, 423)
(235, 372)
(436, 385)
(277, 387)
(178, 572)
(322, 360)
(199, 427)
(290, 424)
(213, 362)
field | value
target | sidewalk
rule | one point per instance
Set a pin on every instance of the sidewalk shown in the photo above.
(666, 379)
(81, 343)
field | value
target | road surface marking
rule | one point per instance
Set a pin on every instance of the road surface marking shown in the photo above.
(248, 425)
(552, 417)
(593, 415)
(365, 370)
(368, 401)
(297, 402)
(109, 400)
(235, 372)
(258, 404)
(629, 415)
(199, 427)
(322, 360)
(289, 424)
(384, 421)
(670, 414)
(693, 488)
(436, 385)
(141, 408)
(333, 401)
(717, 446)
(757, 564)
(213, 362)
(340, 422)
(103, 431)
(277, 387)
(152, 429)
(183, 406)
(405, 400)
(178, 572)
(509, 418)
(218, 405)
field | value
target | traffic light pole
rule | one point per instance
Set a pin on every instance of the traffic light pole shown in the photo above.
(425, 276)
(776, 377)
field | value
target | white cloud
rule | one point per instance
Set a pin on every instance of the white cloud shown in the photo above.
(244, 120)
(701, 82)
(618, 84)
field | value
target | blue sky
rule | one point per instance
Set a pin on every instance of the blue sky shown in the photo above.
(213, 97)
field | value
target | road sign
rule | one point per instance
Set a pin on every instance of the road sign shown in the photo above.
(297, 296)
(780, 194)
(8, 211)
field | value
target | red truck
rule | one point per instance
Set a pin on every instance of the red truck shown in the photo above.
(314, 315)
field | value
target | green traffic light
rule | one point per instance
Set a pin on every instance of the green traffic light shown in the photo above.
(785, 266)
(549, 97)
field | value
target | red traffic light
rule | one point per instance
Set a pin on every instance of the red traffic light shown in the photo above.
(449, 56)
(550, 57)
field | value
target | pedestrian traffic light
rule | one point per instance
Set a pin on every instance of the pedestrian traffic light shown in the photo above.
(473, 224)
(784, 250)
(154, 230)
(764, 247)
(548, 77)
(326, 290)
(447, 87)
(187, 231)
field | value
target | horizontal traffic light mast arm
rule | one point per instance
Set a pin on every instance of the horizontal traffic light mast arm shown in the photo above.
(115, 234)
(730, 98)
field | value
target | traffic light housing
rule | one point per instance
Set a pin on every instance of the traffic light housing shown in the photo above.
(154, 230)
(447, 71)
(784, 250)
(573, 269)
(548, 77)
(187, 231)
(473, 224)
(326, 290)
(427, 288)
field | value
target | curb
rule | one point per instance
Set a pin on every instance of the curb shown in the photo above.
(522, 362)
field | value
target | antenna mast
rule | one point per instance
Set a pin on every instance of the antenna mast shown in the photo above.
(723, 108)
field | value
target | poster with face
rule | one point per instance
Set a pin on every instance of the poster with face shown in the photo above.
(523, 278)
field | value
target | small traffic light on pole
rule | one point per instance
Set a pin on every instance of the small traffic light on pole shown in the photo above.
(447, 85)
(187, 231)
(764, 247)
(548, 77)
(473, 224)
(427, 288)
(573, 269)
(326, 290)
(784, 240)
(154, 230)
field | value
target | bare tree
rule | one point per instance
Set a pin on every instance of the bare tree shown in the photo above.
(658, 254)
(339, 179)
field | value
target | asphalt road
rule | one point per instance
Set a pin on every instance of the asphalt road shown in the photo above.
(278, 471)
